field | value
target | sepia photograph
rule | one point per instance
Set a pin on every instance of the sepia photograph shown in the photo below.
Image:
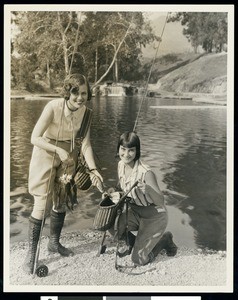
(118, 148)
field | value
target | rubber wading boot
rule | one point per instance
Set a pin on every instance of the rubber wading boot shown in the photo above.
(33, 238)
(170, 248)
(131, 242)
(166, 243)
(56, 224)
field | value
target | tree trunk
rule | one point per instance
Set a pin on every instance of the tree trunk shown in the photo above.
(48, 74)
(114, 58)
(116, 70)
(64, 43)
(96, 66)
(75, 43)
(66, 59)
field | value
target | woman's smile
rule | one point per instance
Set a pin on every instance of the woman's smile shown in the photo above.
(127, 155)
(78, 96)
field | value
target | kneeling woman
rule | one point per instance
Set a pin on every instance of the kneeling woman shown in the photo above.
(147, 213)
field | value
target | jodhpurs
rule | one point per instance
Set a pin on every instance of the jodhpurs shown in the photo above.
(150, 225)
(42, 178)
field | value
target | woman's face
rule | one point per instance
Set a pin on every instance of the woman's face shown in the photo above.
(78, 96)
(127, 155)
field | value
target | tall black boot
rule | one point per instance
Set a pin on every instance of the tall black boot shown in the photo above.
(170, 248)
(165, 243)
(56, 224)
(33, 238)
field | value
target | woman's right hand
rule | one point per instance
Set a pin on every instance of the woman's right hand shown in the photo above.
(63, 154)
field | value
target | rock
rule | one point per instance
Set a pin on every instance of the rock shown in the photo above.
(13, 218)
(14, 232)
(19, 191)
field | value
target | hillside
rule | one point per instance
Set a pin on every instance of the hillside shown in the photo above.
(206, 74)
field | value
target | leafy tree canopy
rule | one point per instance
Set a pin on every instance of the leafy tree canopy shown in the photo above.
(206, 29)
(101, 45)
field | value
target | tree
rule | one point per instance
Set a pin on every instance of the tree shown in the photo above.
(93, 43)
(207, 29)
(116, 39)
(48, 36)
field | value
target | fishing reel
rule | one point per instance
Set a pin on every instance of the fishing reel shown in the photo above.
(42, 271)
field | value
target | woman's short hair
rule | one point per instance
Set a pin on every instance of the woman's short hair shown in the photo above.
(129, 140)
(73, 81)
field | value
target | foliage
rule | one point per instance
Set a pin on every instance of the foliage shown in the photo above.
(101, 45)
(168, 58)
(206, 29)
(108, 32)
(162, 65)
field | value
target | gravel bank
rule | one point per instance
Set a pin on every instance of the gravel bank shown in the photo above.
(189, 268)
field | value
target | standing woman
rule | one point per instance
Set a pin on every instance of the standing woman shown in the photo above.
(147, 214)
(54, 152)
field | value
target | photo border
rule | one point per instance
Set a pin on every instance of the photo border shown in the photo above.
(230, 148)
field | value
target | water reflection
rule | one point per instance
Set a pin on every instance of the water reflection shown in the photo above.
(186, 148)
(24, 115)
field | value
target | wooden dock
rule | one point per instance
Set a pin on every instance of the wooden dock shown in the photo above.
(36, 97)
(187, 106)
(17, 97)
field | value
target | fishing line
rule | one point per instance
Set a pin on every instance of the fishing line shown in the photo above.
(118, 267)
(148, 79)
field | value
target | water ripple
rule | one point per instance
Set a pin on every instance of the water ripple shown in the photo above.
(185, 148)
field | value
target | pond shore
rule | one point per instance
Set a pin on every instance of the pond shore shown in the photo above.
(189, 268)
(216, 99)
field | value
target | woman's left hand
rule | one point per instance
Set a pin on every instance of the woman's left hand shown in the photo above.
(97, 180)
(142, 186)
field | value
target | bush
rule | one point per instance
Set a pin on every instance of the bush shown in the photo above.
(34, 87)
(168, 58)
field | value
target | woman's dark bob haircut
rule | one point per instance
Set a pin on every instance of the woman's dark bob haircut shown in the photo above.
(73, 81)
(129, 140)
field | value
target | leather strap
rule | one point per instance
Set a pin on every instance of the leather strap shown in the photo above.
(87, 118)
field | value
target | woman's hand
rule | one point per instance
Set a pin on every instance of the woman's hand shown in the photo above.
(115, 196)
(97, 180)
(146, 190)
(153, 194)
(142, 186)
(63, 154)
(108, 192)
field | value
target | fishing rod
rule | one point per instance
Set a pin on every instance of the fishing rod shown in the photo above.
(119, 267)
(42, 270)
(148, 79)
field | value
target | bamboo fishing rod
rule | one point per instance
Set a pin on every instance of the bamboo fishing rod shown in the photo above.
(42, 270)
(118, 267)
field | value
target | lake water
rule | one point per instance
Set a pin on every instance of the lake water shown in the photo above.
(185, 147)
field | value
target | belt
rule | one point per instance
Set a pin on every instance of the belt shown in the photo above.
(159, 209)
(65, 141)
